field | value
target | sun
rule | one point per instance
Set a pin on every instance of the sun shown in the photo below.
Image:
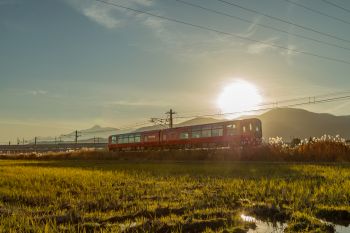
(238, 97)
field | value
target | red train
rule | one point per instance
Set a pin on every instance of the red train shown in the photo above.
(222, 134)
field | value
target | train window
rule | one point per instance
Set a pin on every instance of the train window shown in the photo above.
(114, 139)
(137, 138)
(196, 134)
(126, 139)
(120, 139)
(131, 139)
(231, 129)
(217, 132)
(250, 127)
(244, 129)
(150, 138)
(206, 133)
(257, 129)
(184, 135)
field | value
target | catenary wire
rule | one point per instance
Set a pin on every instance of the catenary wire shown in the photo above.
(284, 21)
(336, 5)
(317, 11)
(263, 25)
(276, 103)
(314, 101)
(227, 33)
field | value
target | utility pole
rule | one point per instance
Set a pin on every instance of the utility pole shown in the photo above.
(76, 136)
(170, 113)
(35, 143)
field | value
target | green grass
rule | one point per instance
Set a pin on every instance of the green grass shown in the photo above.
(114, 196)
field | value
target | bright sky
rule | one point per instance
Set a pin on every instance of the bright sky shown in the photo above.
(70, 64)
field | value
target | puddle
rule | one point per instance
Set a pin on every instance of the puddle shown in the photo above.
(124, 227)
(341, 229)
(278, 227)
(264, 227)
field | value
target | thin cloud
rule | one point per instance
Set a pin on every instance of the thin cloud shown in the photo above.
(250, 31)
(102, 16)
(8, 2)
(289, 54)
(136, 103)
(37, 92)
(259, 48)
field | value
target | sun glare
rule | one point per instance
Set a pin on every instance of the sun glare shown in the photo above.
(238, 97)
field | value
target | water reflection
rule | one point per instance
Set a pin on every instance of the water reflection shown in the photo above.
(264, 227)
(247, 218)
(278, 227)
(341, 229)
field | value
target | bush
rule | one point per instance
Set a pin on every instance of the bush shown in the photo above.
(324, 149)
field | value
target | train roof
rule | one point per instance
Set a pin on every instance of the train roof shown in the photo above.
(180, 127)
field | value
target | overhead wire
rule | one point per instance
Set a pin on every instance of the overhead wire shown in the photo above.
(336, 5)
(302, 101)
(226, 33)
(278, 103)
(283, 20)
(274, 103)
(317, 11)
(263, 25)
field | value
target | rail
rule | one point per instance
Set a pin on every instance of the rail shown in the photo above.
(41, 148)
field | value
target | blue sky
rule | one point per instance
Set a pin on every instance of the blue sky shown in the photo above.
(70, 64)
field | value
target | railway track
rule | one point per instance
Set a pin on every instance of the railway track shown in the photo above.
(59, 147)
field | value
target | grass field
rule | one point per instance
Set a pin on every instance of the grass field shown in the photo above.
(122, 196)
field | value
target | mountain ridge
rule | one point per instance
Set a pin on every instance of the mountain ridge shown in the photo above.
(287, 123)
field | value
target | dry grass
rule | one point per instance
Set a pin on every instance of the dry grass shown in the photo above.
(115, 196)
(324, 149)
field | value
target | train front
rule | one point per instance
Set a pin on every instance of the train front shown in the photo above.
(251, 132)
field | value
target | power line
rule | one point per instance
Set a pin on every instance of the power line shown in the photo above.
(302, 101)
(272, 103)
(284, 21)
(171, 113)
(98, 131)
(336, 5)
(306, 98)
(226, 33)
(317, 11)
(262, 25)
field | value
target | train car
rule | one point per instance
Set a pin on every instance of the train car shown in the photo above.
(222, 134)
(134, 141)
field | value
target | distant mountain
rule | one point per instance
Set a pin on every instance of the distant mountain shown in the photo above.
(89, 134)
(290, 122)
(283, 122)
(194, 121)
(198, 121)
